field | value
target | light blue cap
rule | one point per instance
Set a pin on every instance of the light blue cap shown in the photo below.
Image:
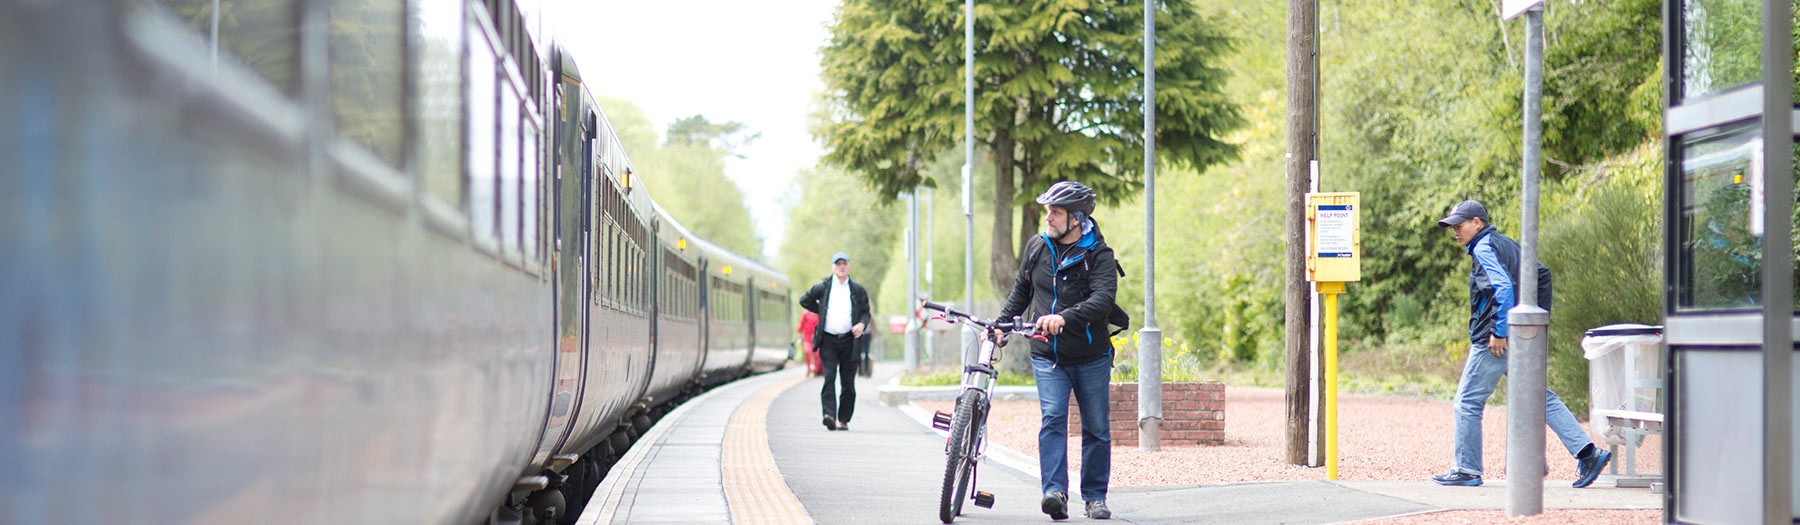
(840, 256)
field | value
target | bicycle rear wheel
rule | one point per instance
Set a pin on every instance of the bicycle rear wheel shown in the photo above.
(960, 465)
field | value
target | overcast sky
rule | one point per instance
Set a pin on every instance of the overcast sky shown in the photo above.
(751, 62)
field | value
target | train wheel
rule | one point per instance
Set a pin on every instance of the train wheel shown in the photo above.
(545, 507)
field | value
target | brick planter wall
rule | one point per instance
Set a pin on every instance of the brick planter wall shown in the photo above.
(1193, 414)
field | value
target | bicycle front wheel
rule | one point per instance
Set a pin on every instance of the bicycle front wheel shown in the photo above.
(960, 466)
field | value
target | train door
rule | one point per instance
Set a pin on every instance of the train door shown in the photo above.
(573, 176)
(659, 273)
(704, 276)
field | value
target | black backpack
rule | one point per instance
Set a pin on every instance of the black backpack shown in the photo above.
(1118, 317)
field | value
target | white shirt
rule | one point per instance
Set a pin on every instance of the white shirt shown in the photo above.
(837, 313)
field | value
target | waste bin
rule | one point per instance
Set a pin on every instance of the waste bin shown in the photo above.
(1623, 372)
(1625, 382)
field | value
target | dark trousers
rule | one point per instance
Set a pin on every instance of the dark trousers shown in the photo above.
(837, 353)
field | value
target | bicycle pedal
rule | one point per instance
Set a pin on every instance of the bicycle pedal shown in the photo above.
(984, 500)
(941, 421)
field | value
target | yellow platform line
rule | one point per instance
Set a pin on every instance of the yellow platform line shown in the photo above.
(754, 488)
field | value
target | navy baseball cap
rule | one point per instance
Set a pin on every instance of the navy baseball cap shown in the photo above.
(840, 256)
(1463, 211)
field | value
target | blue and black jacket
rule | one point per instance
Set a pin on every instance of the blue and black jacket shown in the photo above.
(1493, 285)
(1077, 281)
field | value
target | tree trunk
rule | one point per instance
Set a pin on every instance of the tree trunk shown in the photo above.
(1004, 263)
(1030, 172)
(1302, 83)
(1030, 222)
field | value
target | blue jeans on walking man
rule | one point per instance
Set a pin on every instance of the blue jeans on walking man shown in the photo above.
(1480, 375)
(1088, 381)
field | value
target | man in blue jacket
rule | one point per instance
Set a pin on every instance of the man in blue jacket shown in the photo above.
(1069, 279)
(1491, 294)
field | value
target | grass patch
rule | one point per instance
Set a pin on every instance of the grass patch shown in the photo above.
(945, 376)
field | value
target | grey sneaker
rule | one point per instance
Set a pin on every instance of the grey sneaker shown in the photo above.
(1459, 479)
(1056, 504)
(1097, 510)
(1590, 467)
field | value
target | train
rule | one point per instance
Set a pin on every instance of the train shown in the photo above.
(307, 261)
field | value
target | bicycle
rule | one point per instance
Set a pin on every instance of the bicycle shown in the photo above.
(968, 425)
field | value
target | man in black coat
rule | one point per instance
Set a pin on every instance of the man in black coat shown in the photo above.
(843, 309)
(1069, 279)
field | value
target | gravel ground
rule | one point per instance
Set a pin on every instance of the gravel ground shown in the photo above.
(1379, 438)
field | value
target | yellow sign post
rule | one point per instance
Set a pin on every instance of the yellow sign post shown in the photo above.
(1333, 257)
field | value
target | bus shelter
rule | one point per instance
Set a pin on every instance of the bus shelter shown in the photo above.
(1729, 303)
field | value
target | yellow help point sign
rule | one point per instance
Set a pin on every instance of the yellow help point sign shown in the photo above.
(1334, 246)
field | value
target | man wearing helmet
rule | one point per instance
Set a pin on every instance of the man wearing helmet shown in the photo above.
(1069, 278)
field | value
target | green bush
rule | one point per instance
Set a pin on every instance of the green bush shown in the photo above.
(1602, 242)
(953, 376)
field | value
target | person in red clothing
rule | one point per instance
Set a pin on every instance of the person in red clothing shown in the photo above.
(809, 321)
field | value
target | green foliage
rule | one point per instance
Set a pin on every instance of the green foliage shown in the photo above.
(1180, 363)
(1058, 94)
(1415, 121)
(1593, 63)
(940, 214)
(953, 376)
(835, 213)
(723, 136)
(1603, 244)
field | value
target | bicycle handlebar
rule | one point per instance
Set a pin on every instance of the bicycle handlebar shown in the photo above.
(1014, 325)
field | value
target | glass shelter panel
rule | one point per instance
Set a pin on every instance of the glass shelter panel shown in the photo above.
(1720, 263)
(1722, 42)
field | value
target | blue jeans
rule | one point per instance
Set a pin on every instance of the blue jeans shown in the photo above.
(1479, 377)
(1089, 383)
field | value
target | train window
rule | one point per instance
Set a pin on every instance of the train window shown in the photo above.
(531, 182)
(596, 227)
(436, 40)
(263, 35)
(637, 280)
(509, 169)
(481, 135)
(613, 268)
(368, 52)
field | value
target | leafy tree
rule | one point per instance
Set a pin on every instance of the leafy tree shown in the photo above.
(1602, 95)
(1058, 97)
(1416, 121)
(835, 213)
(728, 137)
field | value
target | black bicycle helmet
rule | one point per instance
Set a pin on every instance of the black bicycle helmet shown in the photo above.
(1071, 195)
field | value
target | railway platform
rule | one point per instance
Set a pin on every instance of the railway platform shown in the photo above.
(754, 452)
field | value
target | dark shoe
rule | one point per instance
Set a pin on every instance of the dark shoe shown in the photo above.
(1056, 504)
(1097, 510)
(1591, 466)
(831, 423)
(1457, 478)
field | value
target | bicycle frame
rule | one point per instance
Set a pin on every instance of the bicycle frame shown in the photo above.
(967, 443)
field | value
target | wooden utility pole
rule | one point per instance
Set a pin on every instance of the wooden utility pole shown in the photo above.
(1302, 142)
